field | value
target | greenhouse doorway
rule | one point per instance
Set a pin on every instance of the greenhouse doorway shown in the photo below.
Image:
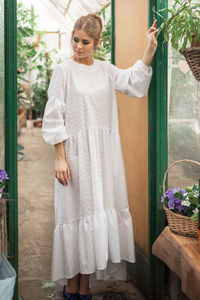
(146, 265)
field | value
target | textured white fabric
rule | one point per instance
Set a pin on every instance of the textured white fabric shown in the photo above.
(93, 226)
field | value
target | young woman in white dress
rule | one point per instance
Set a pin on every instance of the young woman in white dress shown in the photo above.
(93, 231)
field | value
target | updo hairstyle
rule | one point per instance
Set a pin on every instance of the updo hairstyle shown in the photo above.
(91, 24)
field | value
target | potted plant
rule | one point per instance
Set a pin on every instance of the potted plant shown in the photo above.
(28, 41)
(185, 203)
(43, 63)
(182, 206)
(182, 28)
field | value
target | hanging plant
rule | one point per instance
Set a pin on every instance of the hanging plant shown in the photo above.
(182, 29)
(182, 26)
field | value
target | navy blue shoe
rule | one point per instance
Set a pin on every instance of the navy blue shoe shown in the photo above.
(85, 297)
(70, 296)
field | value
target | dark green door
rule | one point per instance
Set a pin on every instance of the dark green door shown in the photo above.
(10, 38)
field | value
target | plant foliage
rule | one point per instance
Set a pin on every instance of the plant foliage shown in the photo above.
(104, 50)
(184, 202)
(32, 56)
(182, 23)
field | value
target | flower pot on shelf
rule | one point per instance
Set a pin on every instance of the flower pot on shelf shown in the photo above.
(179, 223)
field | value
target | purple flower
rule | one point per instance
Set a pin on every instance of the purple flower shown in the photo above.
(180, 207)
(162, 199)
(3, 175)
(174, 197)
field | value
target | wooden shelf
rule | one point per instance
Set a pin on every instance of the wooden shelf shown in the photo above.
(182, 255)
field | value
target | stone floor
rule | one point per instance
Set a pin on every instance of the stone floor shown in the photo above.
(43, 290)
(36, 224)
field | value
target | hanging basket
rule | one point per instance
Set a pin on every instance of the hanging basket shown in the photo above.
(192, 56)
(180, 224)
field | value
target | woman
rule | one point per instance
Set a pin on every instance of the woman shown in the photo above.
(93, 232)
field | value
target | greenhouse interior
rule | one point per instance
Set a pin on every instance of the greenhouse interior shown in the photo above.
(100, 149)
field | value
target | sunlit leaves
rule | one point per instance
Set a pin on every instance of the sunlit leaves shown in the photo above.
(182, 22)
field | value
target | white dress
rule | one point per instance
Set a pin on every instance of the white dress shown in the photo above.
(93, 227)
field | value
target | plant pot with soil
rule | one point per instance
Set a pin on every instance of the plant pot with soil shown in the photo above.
(182, 28)
(182, 205)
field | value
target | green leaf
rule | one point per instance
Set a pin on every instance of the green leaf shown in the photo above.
(194, 217)
(32, 53)
(166, 10)
(20, 77)
(195, 6)
(158, 14)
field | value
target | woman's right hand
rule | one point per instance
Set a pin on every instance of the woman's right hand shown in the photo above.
(62, 171)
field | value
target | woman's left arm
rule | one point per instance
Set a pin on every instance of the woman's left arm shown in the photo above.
(152, 44)
(135, 80)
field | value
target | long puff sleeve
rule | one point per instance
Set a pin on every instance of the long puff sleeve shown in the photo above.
(133, 81)
(53, 125)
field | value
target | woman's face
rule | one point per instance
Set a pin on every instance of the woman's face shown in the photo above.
(82, 44)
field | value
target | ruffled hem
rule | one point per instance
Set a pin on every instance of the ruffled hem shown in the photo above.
(113, 272)
(91, 244)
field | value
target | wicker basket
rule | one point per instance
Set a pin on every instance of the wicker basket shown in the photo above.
(192, 56)
(178, 223)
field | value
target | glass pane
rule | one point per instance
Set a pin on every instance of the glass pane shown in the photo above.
(2, 84)
(183, 120)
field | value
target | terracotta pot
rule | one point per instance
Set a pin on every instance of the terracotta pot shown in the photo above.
(39, 123)
(195, 44)
(19, 111)
(198, 230)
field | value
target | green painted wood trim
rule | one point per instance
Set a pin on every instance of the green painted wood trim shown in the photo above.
(113, 32)
(158, 153)
(148, 271)
(11, 129)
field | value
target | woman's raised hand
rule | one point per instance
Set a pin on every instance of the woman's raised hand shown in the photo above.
(62, 171)
(151, 36)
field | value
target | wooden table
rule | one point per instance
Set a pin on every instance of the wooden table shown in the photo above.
(182, 255)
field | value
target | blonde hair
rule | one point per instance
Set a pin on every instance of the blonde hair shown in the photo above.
(91, 24)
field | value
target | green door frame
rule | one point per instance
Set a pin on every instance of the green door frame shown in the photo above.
(149, 272)
(158, 152)
(149, 267)
(10, 11)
